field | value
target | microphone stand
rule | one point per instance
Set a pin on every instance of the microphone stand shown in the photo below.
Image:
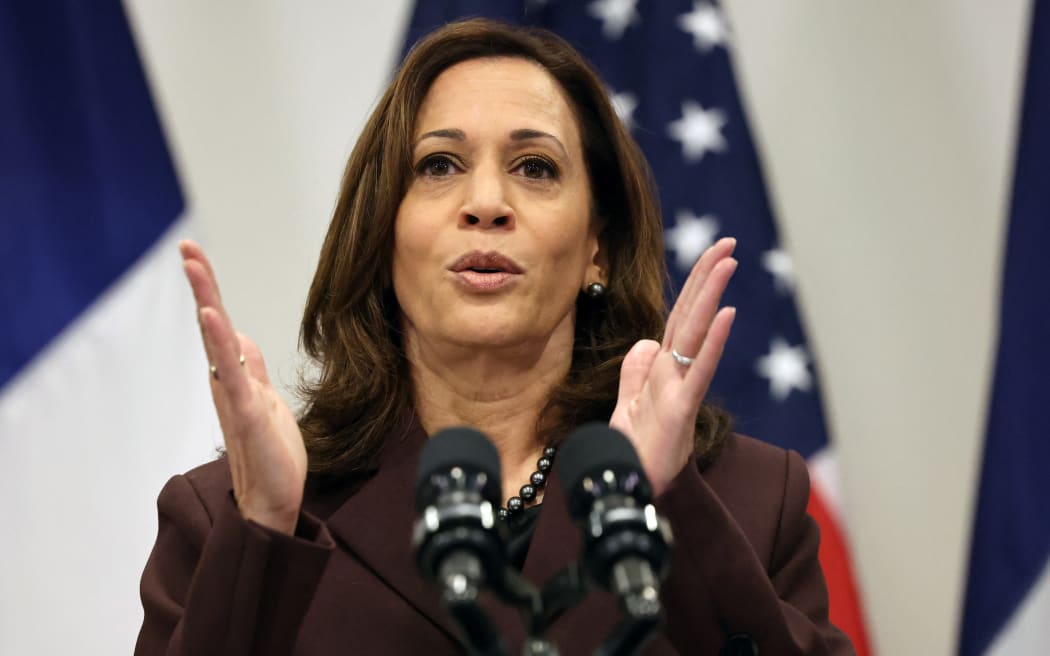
(461, 580)
(519, 592)
(460, 546)
(639, 601)
(637, 589)
(462, 575)
(563, 591)
(626, 545)
(628, 637)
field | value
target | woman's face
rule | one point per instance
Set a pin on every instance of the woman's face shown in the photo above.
(494, 239)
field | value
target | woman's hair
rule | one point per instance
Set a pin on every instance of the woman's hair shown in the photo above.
(362, 392)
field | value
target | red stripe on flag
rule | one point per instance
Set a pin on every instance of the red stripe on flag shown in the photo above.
(846, 610)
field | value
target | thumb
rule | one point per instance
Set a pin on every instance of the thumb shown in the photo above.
(635, 369)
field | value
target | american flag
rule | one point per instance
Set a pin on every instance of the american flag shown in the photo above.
(668, 68)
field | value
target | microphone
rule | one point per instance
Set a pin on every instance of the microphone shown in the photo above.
(626, 545)
(457, 541)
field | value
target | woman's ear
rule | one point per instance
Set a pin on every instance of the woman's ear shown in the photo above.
(598, 267)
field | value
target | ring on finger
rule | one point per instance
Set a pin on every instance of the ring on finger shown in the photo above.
(681, 359)
(214, 371)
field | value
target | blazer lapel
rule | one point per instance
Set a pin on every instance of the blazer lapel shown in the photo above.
(375, 524)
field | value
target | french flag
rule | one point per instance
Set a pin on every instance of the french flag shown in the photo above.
(103, 389)
(1007, 608)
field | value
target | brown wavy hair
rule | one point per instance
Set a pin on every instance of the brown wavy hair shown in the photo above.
(362, 392)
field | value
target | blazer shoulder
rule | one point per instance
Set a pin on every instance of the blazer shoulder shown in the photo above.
(761, 485)
(742, 453)
(207, 485)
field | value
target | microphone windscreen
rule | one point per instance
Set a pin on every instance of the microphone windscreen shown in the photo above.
(594, 447)
(461, 447)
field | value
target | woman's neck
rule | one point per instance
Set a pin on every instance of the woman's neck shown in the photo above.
(499, 391)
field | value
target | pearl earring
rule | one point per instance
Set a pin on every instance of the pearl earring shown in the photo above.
(595, 290)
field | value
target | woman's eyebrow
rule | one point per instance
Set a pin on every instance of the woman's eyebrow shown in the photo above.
(445, 133)
(521, 134)
(526, 134)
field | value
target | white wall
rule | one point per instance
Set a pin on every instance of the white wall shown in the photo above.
(886, 130)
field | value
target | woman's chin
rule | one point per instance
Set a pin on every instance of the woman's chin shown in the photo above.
(490, 329)
(495, 339)
(487, 334)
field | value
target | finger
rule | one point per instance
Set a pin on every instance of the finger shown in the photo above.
(635, 368)
(721, 249)
(718, 251)
(702, 371)
(201, 275)
(692, 330)
(191, 250)
(200, 284)
(224, 351)
(205, 288)
(197, 278)
(253, 359)
(205, 292)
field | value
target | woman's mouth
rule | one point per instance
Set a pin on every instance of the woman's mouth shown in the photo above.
(485, 280)
(485, 271)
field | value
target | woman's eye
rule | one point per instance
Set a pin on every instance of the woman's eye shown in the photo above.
(538, 168)
(436, 166)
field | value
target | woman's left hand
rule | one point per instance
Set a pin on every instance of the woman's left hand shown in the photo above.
(659, 397)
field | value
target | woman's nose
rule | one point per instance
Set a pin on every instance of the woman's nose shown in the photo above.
(485, 204)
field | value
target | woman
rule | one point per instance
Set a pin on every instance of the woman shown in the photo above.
(495, 261)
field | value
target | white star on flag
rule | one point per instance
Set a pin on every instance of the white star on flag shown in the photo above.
(707, 25)
(780, 264)
(615, 15)
(698, 130)
(786, 368)
(625, 103)
(690, 237)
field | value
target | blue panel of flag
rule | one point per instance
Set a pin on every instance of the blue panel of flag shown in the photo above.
(668, 67)
(86, 183)
(1011, 535)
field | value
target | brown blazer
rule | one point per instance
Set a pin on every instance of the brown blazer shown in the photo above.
(744, 565)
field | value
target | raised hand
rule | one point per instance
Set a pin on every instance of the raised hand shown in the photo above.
(264, 446)
(660, 394)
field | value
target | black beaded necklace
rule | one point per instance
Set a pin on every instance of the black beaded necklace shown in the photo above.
(528, 492)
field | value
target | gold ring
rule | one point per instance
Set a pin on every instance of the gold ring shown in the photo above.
(215, 370)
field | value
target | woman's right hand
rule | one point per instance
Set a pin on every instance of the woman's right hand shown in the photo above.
(264, 446)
